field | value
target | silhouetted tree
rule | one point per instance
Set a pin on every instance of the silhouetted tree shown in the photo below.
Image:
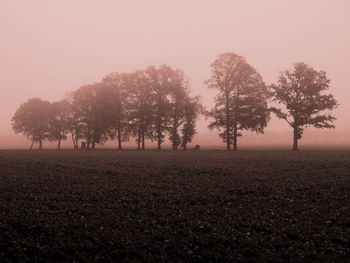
(102, 122)
(160, 82)
(192, 109)
(178, 95)
(241, 103)
(32, 119)
(115, 101)
(148, 104)
(75, 127)
(139, 106)
(83, 106)
(300, 91)
(59, 121)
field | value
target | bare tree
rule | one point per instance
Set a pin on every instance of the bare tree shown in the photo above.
(241, 102)
(301, 92)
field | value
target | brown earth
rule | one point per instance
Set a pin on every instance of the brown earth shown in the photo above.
(168, 206)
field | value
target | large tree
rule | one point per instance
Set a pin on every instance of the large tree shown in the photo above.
(59, 121)
(87, 113)
(139, 106)
(301, 91)
(102, 122)
(192, 109)
(159, 80)
(241, 102)
(115, 101)
(75, 126)
(179, 93)
(32, 119)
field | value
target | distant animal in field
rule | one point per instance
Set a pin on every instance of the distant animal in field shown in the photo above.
(197, 147)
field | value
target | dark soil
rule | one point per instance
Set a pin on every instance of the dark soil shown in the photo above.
(167, 206)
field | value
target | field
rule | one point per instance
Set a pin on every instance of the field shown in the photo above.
(168, 206)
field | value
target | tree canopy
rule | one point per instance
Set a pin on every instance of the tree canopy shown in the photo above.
(241, 102)
(148, 104)
(301, 91)
(32, 119)
(155, 104)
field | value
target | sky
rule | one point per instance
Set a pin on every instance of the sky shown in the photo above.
(48, 48)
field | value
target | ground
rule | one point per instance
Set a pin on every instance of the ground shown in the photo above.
(195, 206)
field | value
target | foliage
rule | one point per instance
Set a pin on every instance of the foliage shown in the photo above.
(301, 92)
(146, 104)
(140, 106)
(179, 96)
(241, 102)
(160, 81)
(59, 121)
(114, 100)
(32, 119)
(155, 103)
(192, 109)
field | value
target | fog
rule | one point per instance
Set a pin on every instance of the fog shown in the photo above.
(49, 48)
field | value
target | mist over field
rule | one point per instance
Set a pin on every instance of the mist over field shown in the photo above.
(50, 49)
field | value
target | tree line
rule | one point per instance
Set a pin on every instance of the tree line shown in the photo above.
(156, 104)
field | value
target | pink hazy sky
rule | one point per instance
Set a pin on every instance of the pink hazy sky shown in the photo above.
(48, 48)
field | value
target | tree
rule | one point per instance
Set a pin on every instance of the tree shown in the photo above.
(301, 92)
(178, 95)
(115, 101)
(241, 102)
(102, 118)
(192, 108)
(75, 127)
(32, 119)
(85, 114)
(160, 82)
(139, 106)
(59, 121)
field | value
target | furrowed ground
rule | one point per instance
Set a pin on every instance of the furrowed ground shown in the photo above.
(174, 206)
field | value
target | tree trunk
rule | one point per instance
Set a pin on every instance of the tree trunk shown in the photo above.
(73, 140)
(159, 137)
(143, 141)
(185, 146)
(40, 144)
(59, 144)
(228, 142)
(159, 125)
(88, 139)
(119, 139)
(75, 143)
(295, 139)
(235, 137)
(93, 145)
(174, 146)
(31, 146)
(138, 140)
